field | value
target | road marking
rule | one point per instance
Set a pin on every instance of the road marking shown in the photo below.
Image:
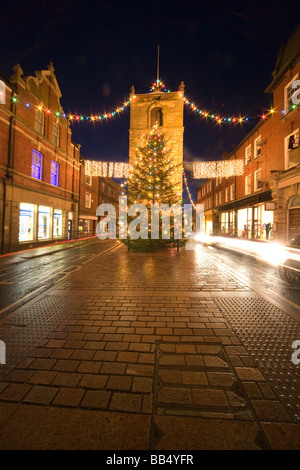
(20, 300)
(102, 253)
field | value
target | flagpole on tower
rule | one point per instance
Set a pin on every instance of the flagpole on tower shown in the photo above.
(157, 79)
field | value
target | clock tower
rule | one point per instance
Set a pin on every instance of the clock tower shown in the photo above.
(165, 109)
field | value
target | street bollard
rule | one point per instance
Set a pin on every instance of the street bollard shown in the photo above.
(177, 244)
(128, 243)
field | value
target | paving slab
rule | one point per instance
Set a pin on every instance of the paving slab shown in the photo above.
(40, 428)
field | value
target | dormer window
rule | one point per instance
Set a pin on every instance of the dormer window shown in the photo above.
(156, 116)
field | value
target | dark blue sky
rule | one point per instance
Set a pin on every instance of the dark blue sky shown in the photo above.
(224, 51)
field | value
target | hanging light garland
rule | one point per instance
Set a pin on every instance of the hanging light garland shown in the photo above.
(222, 169)
(188, 189)
(221, 119)
(107, 169)
(78, 117)
(158, 85)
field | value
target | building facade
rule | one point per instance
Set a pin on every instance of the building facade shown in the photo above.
(39, 163)
(88, 202)
(263, 203)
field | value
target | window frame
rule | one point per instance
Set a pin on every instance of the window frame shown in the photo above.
(256, 188)
(285, 97)
(247, 157)
(256, 147)
(39, 124)
(55, 175)
(34, 165)
(88, 200)
(248, 177)
(286, 149)
(227, 194)
(232, 192)
(87, 176)
(55, 137)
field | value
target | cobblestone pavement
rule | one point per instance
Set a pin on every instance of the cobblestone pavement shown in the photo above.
(156, 351)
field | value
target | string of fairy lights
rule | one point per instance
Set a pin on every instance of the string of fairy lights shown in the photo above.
(158, 85)
(78, 117)
(188, 189)
(121, 170)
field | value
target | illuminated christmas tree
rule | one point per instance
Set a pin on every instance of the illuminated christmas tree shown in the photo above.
(153, 175)
(154, 181)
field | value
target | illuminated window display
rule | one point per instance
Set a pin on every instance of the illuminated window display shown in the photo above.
(26, 222)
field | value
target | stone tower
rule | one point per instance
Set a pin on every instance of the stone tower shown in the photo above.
(165, 108)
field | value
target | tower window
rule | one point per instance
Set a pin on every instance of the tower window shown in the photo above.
(156, 117)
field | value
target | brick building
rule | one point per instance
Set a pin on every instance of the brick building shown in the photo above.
(263, 203)
(88, 202)
(39, 163)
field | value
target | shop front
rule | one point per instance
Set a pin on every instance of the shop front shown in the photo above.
(255, 222)
(227, 223)
(40, 223)
(87, 225)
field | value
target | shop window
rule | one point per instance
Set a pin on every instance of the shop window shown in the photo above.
(257, 180)
(36, 165)
(156, 116)
(44, 222)
(54, 173)
(55, 134)
(26, 222)
(257, 147)
(57, 223)
(289, 90)
(39, 122)
(248, 154)
(88, 200)
(248, 184)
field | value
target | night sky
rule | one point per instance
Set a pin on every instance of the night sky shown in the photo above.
(224, 51)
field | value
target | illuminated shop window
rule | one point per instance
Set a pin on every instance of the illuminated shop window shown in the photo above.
(26, 222)
(44, 222)
(57, 223)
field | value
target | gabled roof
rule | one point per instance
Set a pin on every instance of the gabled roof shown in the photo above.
(288, 56)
